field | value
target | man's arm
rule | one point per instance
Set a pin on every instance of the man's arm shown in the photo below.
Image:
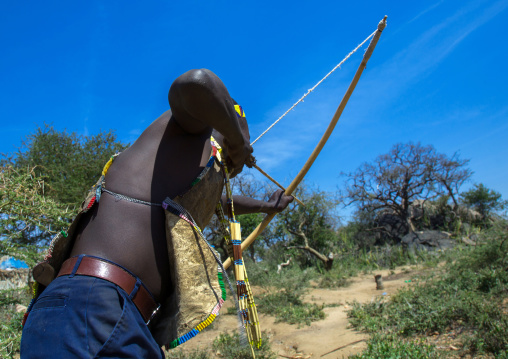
(199, 102)
(244, 205)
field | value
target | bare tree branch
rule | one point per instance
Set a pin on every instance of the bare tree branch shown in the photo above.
(408, 173)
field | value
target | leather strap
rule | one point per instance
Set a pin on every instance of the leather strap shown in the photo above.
(95, 267)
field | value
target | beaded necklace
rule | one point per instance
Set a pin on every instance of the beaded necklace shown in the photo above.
(101, 187)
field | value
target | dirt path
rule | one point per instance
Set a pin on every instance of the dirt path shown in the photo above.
(322, 336)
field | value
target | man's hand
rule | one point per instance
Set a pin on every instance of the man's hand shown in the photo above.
(278, 202)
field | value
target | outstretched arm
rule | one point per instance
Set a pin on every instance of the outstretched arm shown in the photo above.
(199, 102)
(244, 205)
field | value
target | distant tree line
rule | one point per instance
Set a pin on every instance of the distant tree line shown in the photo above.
(44, 182)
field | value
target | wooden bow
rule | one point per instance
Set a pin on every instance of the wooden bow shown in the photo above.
(296, 181)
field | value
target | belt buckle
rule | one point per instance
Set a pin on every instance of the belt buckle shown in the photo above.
(154, 313)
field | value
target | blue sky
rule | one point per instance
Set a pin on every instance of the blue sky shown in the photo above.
(438, 74)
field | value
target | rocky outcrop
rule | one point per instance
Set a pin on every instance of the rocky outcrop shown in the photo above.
(428, 216)
(427, 240)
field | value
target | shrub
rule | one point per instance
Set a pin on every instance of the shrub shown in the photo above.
(10, 321)
(229, 347)
(288, 307)
(283, 296)
(388, 347)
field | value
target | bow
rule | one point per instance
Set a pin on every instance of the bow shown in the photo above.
(299, 177)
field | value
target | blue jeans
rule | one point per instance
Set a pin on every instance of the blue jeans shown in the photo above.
(86, 317)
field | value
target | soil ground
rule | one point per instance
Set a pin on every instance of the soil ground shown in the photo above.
(324, 336)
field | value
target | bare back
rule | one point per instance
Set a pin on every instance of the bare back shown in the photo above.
(161, 163)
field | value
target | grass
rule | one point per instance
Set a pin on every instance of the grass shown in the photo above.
(179, 353)
(388, 347)
(283, 296)
(227, 346)
(10, 321)
(288, 307)
(465, 301)
(360, 261)
(284, 292)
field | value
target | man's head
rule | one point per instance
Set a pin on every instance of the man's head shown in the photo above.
(243, 154)
(242, 123)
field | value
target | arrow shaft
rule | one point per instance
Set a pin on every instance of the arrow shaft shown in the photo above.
(275, 182)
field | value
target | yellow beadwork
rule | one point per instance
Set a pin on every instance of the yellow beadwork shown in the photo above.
(246, 300)
(107, 165)
(239, 111)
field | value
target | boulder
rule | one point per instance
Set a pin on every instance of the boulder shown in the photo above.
(427, 240)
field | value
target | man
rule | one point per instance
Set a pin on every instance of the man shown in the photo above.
(119, 241)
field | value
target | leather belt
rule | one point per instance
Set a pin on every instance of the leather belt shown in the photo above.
(95, 267)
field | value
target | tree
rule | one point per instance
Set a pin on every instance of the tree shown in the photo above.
(311, 228)
(27, 215)
(69, 163)
(55, 170)
(451, 173)
(408, 173)
(484, 200)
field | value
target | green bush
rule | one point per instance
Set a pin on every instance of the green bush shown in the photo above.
(10, 321)
(389, 347)
(230, 347)
(10, 335)
(283, 296)
(288, 307)
(227, 346)
(179, 353)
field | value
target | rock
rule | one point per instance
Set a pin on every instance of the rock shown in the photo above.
(427, 240)
(393, 226)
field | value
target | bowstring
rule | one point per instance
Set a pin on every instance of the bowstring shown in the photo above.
(316, 85)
